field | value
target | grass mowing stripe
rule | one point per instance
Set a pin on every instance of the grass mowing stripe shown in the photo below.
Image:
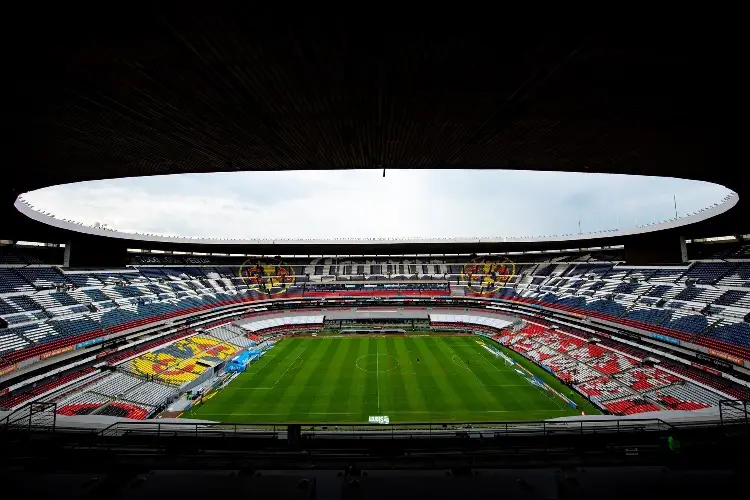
(301, 392)
(457, 387)
(346, 379)
(271, 372)
(464, 382)
(497, 382)
(335, 381)
(280, 380)
(414, 390)
(425, 379)
(397, 380)
(331, 378)
(369, 403)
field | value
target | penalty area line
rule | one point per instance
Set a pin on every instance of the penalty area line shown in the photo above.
(291, 365)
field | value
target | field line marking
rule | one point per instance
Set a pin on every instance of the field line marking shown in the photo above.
(464, 365)
(288, 367)
(277, 380)
(539, 389)
(282, 414)
(394, 412)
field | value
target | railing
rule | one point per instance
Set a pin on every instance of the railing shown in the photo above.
(734, 411)
(33, 416)
(404, 431)
(37, 416)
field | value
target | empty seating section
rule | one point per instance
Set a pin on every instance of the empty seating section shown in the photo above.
(46, 387)
(292, 321)
(570, 370)
(115, 385)
(665, 275)
(147, 346)
(84, 280)
(739, 276)
(617, 381)
(602, 388)
(47, 302)
(23, 303)
(588, 353)
(686, 321)
(611, 362)
(40, 318)
(630, 406)
(737, 333)
(151, 393)
(113, 300)
(684, 318)
(232, 335)
(659, 290)
(646, 377)
(179, 362)
(10, 342)
(26, 317)
(95, 295)
(81, 403)
(34, 333)
(647, 314)
(685, 397)
(542, 353)
(126, 410)
(11, 281)
(114, 394)
(42, 277)
(735, 298)
(708, 273)
(710, 380)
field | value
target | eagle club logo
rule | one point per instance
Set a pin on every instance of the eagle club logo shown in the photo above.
(486, 275)
(274, 277)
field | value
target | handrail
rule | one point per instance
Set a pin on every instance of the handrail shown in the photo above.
(582, 426)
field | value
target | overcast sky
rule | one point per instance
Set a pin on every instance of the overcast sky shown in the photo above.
(363, 204)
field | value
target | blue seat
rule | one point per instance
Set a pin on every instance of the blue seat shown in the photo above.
(735, 333)
(690, 324)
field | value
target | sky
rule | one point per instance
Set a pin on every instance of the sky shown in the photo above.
(363, 204)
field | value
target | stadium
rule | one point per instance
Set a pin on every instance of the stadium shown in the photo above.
(131, 351)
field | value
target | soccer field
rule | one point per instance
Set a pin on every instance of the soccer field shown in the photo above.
(414, 378)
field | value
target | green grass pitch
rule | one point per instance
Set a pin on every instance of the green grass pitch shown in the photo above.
(348, 379)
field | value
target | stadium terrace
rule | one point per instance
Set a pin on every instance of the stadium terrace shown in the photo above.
(490, 338)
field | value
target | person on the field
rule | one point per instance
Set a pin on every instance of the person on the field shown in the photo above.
(417, 359)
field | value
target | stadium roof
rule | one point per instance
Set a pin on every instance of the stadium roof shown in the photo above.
(203, 89)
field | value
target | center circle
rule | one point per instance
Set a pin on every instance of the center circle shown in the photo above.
(372, 363)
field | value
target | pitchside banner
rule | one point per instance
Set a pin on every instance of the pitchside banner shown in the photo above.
(91, 342)
(7, 369)
(664, 338)
(705, 368)
(713, 361)
(50, 354)
(732, 359)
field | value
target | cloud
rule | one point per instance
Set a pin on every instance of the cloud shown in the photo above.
(363, 204)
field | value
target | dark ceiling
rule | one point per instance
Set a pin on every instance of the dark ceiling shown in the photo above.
(204, 89)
